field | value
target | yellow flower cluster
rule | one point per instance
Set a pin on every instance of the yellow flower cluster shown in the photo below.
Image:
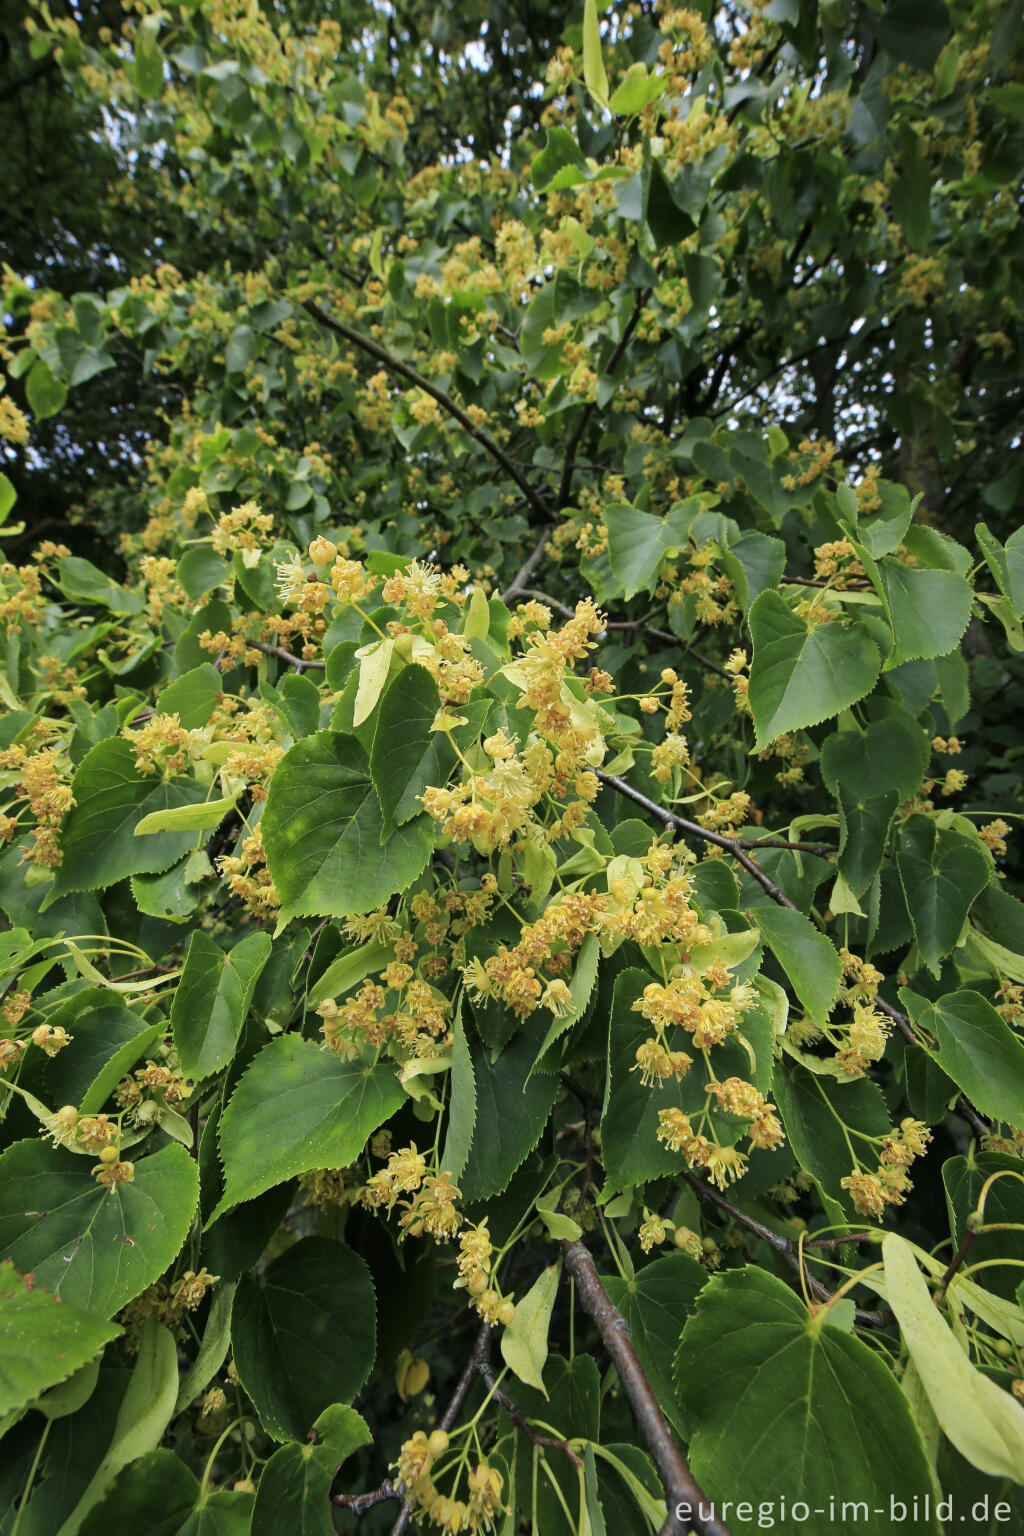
(872, 1192)
(474, 1265)
(477, 1513)
(433, 1207)
(416, 1021)
(517, 976)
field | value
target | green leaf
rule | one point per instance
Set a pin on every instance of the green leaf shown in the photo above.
(913, 31)
(941, 871)
(754, 564)
(193, 697)
(149, 65)
(107, 1040)
(160, 1495)
(801, 676)
(187, 818)
(142, 1418)
(976, 1049)
(93, 1247)
(778, 1402)
(985, 1423)
(44, 392)
(322, 831)
(304, 1333)
(864, 827)
(98, 834)
(814, 1111)
(911, 193)
(211, 1001)
(524, 1343)
(656, 1303)
(461, 1103)
(298, 1107)
(41, 1340)
(892, 753)
(293, 1497)
(1006, 564)
(561, 153)
(636, 90)
(407, 756)
(8, 496)
(593, 61)
(808, 958)
(346, 972)
(84, 583)
(512, 1109)
(200, 570)
(929, 610)
(638, 542)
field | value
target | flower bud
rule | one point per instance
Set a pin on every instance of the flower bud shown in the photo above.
(322, 551)
(438, 1442)
(506, 1312)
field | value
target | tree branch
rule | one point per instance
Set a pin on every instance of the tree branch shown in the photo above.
(519, 1418)
(527, 569)
(279, 650)
(413, 376)
(676, 1478)
(454, 1408)
(732, 845)
(569, 463)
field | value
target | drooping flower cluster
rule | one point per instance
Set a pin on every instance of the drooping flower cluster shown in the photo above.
(528, 976)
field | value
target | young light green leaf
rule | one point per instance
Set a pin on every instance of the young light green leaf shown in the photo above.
(374, 665)
(593, 60)
(187, 818)
(142, 1418)
(524, 1344)
(985, 1423)
(461, 1102)
(348, 970)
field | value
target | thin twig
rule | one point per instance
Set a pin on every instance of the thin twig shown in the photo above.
(731, 845)
(454, 1408)
(279, 650)
(359, 1503)
(519, 1418)
(569, 463)
(413, 376)
(789, 1249)
(527, 569)
(676, 1478)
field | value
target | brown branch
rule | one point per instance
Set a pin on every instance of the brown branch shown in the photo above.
(970, 1237)
(413, 376)
(676, 1478)
(569, 463)
(454, 1408)
(788, 1248)
(732, 845)
(527, 569)
(519, 1418)
(279, 650)
(359, 1503)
